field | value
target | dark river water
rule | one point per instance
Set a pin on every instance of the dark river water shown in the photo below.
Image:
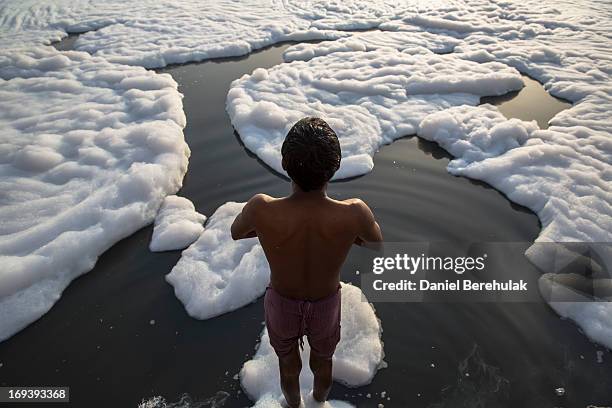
(99, 340)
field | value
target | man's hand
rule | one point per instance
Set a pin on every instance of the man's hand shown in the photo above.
(244, 224)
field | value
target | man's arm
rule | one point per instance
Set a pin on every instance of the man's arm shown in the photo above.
(244, 224)
(368, 230)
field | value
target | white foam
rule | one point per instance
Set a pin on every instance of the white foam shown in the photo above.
(473, 134)
(153, 34)
(358, 356)
(406, 37)
(84, 162)
(561, 173)
(177, 225)
(273, 401)
(216, 274)
(368, 98)
(593, 317)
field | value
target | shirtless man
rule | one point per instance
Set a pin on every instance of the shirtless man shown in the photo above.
(306, 237)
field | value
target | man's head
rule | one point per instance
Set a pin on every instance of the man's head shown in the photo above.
(311, 153)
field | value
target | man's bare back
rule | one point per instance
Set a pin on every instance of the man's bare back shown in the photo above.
(306, 237)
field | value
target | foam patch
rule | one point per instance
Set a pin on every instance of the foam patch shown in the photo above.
(368, 98)
(177, 225)
(88, 151)
(216, 274)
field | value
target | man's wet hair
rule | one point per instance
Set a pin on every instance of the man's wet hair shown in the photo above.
(311, 153)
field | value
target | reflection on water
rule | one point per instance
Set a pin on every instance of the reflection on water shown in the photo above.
(97, 339)
(67, 44)
(530, 103)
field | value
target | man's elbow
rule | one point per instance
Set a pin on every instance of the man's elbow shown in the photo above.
(237, 236)
(234, 233)
(372, 240)
(378, 233)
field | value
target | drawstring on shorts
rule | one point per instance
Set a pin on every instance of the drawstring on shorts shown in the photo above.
(305, 310)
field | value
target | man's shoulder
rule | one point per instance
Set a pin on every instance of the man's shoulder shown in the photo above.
(259, 201)
(355, 206)
(354, 203)
(261, 198)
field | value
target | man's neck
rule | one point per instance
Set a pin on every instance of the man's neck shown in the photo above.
(297, 192)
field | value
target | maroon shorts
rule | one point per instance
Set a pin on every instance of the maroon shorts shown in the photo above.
(288, 320)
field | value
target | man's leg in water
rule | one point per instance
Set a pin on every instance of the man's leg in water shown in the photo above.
(322, 370)
(290, 367)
